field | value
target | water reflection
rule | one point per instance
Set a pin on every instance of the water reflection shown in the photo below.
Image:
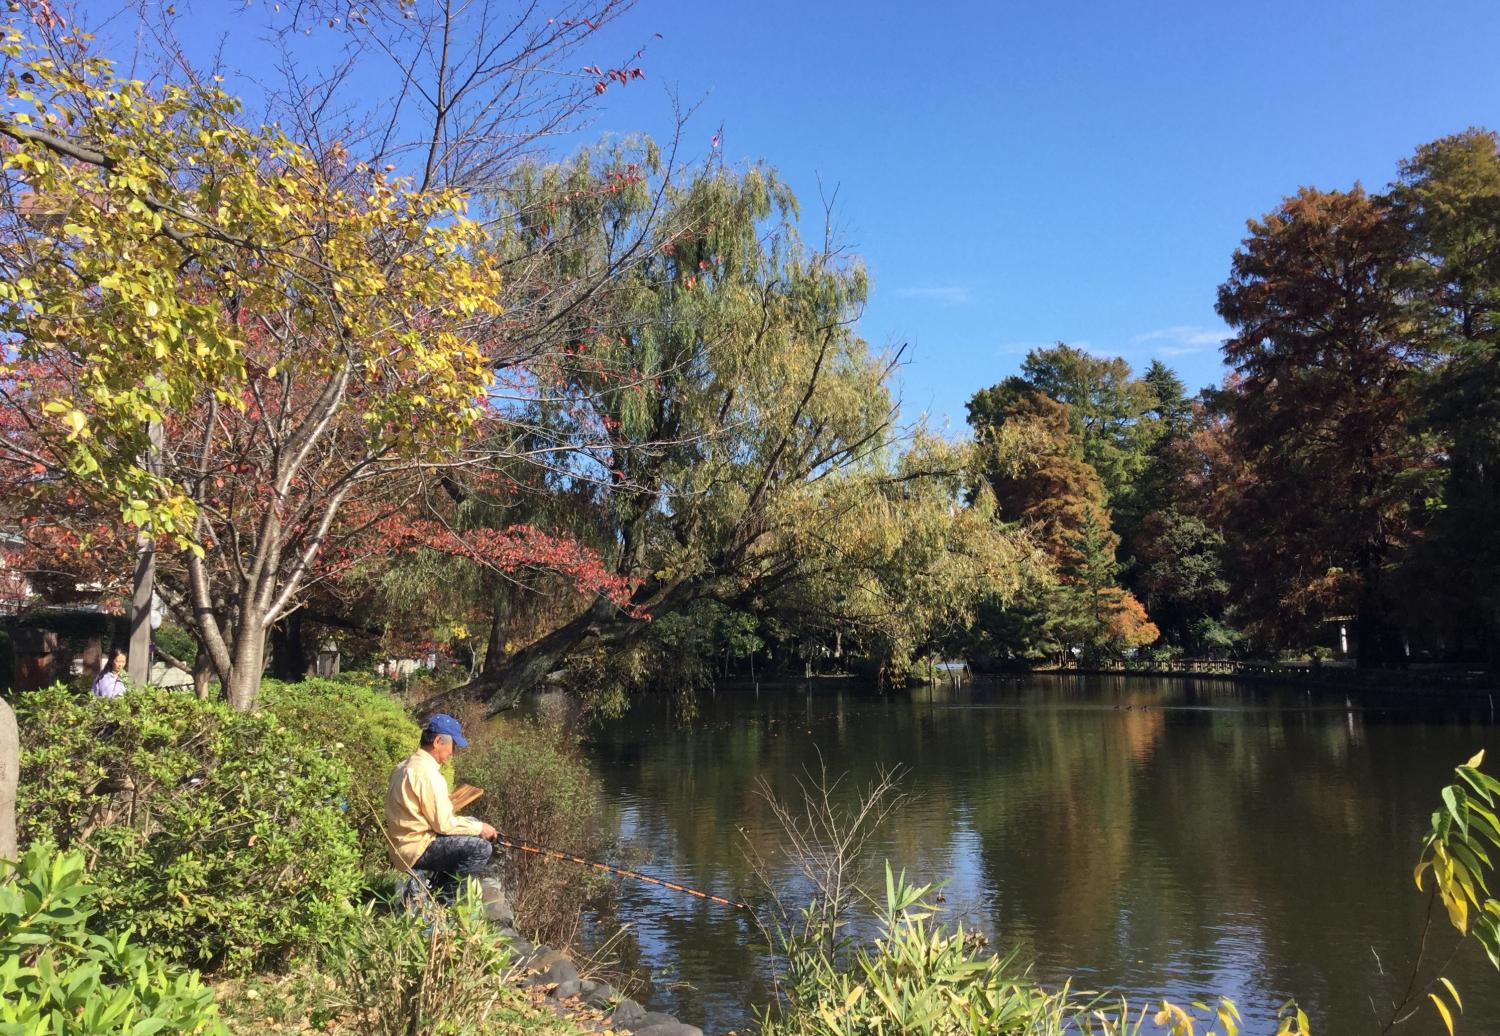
(1167, 837)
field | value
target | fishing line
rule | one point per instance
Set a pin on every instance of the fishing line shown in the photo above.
(558, 854)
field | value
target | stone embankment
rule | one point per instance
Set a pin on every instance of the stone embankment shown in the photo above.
(552, 975)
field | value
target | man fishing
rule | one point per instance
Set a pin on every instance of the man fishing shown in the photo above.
(421, 829)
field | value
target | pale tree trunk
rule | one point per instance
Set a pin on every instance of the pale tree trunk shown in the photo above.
(243, 684)
(10, 776)
(139, 652)
(138, 665)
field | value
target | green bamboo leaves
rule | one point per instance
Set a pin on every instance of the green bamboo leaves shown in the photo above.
(1458, 854)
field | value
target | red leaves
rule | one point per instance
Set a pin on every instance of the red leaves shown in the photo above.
(511, 549)
(617, 75)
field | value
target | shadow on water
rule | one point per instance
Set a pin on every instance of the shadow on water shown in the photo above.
(1181, 837)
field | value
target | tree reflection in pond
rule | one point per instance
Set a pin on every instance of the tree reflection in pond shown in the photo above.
(1164, 837)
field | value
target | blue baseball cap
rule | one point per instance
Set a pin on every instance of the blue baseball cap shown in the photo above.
(443, 723)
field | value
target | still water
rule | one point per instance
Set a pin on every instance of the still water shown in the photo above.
(1185, 838)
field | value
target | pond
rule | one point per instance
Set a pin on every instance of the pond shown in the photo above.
(1185, 838)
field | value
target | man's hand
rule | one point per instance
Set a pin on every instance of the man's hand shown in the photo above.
(486, 831)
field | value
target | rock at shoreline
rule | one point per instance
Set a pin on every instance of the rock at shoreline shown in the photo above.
(672, 1028)
(628, 1014)
(596, 994)
(554, 970)
(560, 970)
(497, 904)
(653, 1020)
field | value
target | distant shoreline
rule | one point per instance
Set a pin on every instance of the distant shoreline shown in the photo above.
(1364, 681)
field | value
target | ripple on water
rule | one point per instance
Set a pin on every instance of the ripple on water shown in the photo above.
(1211, 839)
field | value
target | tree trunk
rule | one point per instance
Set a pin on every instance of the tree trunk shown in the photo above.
(138, 664)
(144, 591)
(203, 671)
(1372, 629)
(1489, 632)
(10, 776)
(503, 686)
(243, 685)
(494, 650)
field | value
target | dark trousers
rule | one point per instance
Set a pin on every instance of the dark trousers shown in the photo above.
(451, 859)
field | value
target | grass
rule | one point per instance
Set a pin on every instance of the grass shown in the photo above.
(305, 1001)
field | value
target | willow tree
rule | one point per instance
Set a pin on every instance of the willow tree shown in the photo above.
(709, 401)
(898, 559)
(296, 328)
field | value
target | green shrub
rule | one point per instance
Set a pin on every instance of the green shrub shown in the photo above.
(58, 978)
(538, 788)
(219, 836)
(398, 974)
(177, 641)
(920, 977)
(913, 978)
(356, 717)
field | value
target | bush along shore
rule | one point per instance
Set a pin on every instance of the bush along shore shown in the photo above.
(191, 868)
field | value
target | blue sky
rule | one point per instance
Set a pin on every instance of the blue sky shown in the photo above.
(1020, 173)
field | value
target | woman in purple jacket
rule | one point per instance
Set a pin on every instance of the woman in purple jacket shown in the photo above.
(111, 682)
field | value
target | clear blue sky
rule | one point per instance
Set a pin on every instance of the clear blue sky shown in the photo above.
(1019, 173)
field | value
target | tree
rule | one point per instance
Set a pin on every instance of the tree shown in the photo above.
(722, 414)
(1321, 410)
(1109, 410)
(1448, 200)
(1173, 534)
(10, 775)
(1091, 610)
(1033, 463)
(299, 329)
(1170, 406)
(907, 552)
(1166, 422)
(1180, 570)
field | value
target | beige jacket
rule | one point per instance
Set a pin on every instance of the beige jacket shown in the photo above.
(418, 809)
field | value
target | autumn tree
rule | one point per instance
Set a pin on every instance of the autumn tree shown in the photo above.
(296, 329)
(1033, 462)
(300, 321)
(1090, 609)
(1111, 412)
(1321, 410)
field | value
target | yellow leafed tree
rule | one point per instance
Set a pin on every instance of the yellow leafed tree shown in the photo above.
(283, 329)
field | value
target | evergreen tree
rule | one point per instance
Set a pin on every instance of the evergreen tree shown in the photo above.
(1448, 199)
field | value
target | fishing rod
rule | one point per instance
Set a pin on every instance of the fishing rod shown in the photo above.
(557, 854)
